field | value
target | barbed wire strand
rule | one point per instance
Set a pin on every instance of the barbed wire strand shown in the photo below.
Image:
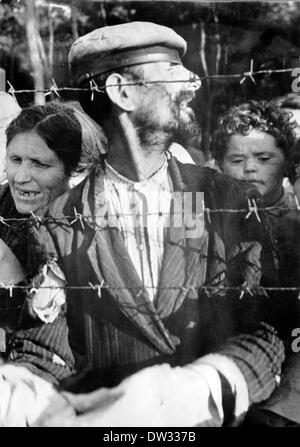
(95, 88)
(253, 209)
(90, 286)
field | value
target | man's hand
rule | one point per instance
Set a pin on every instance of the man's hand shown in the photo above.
(157, 396)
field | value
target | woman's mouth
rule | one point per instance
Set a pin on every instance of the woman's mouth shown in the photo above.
(26, 195)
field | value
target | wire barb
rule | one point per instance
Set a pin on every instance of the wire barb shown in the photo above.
(245, 289)
(253, 209)
(2, 220)
(248, 74)
(8, 286)
(207, 211)
(94, 88)
(78, 216)
(36, 218)
(97, 287)
(53, 89)
(11, 90)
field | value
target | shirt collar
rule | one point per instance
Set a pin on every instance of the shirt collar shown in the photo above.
(158, 177)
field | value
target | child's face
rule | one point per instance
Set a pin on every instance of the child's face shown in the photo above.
(256, 158)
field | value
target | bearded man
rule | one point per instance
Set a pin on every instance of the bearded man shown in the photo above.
(150, 327)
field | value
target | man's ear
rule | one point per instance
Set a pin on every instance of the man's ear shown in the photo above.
(119, 92)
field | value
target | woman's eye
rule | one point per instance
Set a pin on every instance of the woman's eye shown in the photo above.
(15, 159)
(39, 164)
(264, 159)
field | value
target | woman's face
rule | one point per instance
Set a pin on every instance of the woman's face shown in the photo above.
(35, 174)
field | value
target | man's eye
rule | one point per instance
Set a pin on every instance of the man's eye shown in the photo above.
(172, 68)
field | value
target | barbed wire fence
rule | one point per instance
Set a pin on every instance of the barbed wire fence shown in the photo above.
(37, 221)
(93, 88)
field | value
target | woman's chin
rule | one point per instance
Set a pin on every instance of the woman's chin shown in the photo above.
(26, 209)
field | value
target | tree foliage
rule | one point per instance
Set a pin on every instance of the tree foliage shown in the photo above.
(222, 38)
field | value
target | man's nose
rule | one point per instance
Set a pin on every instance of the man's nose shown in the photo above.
(22, 174)
(193, 81)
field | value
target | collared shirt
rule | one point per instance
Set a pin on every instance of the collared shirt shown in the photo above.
(142, 212)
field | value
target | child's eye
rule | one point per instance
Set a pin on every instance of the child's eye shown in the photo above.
(237, 161)
(265, 158)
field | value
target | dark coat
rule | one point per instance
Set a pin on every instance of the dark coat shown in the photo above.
(14, 232)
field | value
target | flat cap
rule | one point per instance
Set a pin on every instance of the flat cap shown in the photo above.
(117, 46)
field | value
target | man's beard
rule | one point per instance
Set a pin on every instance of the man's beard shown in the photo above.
(160, 136)
(185, 129)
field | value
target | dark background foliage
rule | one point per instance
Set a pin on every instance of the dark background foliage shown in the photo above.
(223, 38)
